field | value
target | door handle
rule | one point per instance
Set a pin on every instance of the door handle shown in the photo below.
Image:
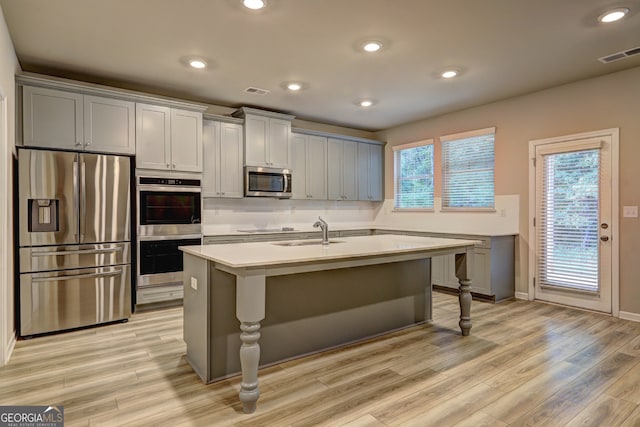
(77, 276)
(604, 238)
(76, 199)
(83, 201)
(78, 252)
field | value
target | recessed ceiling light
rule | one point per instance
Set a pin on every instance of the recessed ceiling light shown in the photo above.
(371, 46)
(254, 4)
(366, 103)
(294, 86)
(613, 15)
(197, 63)
(449, 74)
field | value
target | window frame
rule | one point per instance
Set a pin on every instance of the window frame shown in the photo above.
(458, 136)
(398, 148)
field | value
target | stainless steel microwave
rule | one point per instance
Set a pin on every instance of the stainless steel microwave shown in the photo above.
(267, 182)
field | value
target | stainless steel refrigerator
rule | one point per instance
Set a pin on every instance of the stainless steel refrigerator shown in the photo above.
(74, 226)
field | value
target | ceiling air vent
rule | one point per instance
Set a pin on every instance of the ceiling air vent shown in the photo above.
(620, 55)
(256, 91)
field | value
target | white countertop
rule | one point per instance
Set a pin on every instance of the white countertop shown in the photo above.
(269, 254)
(208, 230)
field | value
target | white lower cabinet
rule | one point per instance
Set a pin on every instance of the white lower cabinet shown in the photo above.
(309, 167)
(223, 160)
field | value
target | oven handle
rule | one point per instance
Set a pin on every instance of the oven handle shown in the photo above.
(78, 252)
(169, 189)
(77, 276)
(172, 237)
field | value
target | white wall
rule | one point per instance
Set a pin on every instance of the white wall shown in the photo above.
(8, 68)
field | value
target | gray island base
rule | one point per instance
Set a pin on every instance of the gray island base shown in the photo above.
(295, 300)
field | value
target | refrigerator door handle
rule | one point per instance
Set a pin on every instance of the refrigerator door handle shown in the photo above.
(77, 276)
(78, 252)
(76, 199)
(83, 201)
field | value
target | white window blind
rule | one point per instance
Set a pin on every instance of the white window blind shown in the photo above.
(413, 166)
(568, 215)
(468, 170)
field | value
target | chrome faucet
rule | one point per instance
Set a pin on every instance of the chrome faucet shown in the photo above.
(325, 230)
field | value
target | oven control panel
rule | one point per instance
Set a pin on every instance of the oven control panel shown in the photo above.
(147, 180)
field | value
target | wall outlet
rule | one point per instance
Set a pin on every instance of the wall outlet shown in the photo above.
(194, 283)
(630, 211)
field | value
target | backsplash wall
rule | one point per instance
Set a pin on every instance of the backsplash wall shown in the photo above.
(229, 215)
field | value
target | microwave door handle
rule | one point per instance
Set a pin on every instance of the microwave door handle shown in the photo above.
(286, 183)
(76, 200)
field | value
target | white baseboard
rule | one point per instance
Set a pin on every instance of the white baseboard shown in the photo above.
(9, 350)
(626, 315)
(522, 295)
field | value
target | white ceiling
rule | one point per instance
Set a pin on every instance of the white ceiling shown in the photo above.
(503, 48)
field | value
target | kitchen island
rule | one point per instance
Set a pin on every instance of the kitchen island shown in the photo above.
(251, 265)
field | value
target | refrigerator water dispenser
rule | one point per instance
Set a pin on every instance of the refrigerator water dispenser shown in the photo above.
(43, 215)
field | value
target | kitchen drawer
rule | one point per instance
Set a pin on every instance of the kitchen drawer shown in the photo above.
(352, 233)
(159, 294)
(217, 240)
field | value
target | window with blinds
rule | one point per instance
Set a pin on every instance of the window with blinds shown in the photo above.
(568, 214)
(413, 167)
(468, 170)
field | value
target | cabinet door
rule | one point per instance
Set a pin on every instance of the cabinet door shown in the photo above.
(299, 166)
(109, 125)
(186, 141)
(211, 159)
(153, 137)
(350, 170)
(481, 280)
(256, 131)
(231, 160)
(375, 172)
(438, 270)
(317, 167)
(334, 169)
(52, 118)
(363, 172)
(279, 143)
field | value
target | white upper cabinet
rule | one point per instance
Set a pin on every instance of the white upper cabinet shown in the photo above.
(153, 137)
(223, 171)
(168, 138)
(59, 119)
(267, 138)
(52, 118)
(279, 143)
(109, 125)
(369, 172)
(186, 140)
(309, 166)
(342, 169)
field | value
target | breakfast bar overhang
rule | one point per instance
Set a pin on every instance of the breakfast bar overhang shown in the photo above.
(252, 263)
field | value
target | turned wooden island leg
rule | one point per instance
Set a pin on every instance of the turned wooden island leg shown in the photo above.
(462, 273)
(250, 308)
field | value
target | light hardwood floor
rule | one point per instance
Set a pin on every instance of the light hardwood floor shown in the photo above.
(525, 363)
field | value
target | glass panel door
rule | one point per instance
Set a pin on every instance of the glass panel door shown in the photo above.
(572, 223)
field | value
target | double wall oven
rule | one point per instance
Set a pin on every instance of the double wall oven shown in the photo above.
(169, 216)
